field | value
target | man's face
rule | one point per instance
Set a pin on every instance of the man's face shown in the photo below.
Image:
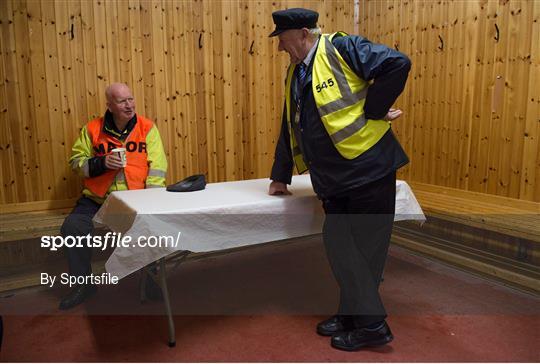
(294, 42)
(121, 104)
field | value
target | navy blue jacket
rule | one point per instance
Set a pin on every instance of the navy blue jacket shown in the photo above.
(331, 174)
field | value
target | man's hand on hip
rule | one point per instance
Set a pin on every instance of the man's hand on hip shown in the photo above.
(278, 188)
(393, 114)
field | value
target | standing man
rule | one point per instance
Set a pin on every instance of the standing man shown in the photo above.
(336, 123)
(104, 172)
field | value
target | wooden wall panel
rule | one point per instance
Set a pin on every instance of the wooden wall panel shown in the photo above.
(10, 129)
(210, 77)
(204, 71)
(530, 181)
(471, 105)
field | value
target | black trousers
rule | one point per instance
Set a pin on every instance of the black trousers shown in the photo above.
(79, 223)
(356, 234)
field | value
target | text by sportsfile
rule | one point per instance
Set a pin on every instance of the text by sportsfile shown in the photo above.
(110, 239)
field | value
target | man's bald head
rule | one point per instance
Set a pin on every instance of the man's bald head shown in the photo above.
(115, 88)
(120, 103)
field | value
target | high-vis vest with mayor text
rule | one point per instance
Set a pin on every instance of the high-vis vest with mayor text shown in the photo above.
(136, 170)
(339, 96)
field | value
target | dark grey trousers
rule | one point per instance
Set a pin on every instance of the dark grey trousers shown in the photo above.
(356, 234)
(79, 223)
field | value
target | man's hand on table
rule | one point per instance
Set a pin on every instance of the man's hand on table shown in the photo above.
(278, 188)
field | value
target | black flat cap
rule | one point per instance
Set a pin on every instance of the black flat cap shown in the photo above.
(296, 18)
(196, 182)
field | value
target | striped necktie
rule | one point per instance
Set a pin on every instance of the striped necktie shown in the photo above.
(301, 74)
(300, 77)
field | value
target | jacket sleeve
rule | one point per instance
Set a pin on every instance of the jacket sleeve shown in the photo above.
(82, 158)
(386, 67)
(157, 161)
(283, 162)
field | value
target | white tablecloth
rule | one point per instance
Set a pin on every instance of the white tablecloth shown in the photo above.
(224, 215)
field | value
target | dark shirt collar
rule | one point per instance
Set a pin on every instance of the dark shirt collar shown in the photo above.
(110, 128)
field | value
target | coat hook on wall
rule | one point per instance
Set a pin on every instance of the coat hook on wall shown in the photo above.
(72, 31)
(498, 34)
(251, 47)
(441, 47)
(396, 46)
(200, 41)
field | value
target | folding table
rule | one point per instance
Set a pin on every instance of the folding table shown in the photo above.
(223, 216)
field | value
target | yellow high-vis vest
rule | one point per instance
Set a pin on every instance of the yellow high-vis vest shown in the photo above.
(340, 96)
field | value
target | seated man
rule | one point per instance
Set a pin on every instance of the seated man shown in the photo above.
(104, 172)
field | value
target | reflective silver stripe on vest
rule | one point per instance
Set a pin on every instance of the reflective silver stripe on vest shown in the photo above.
(75, 163)
(349, 129)
(348, 98)
(84, 168)
(120, 176)
(156, 173)
(336, 68)
(345, 101)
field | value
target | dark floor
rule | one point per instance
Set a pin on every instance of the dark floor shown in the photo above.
(262, 304)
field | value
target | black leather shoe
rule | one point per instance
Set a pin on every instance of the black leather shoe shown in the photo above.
(358, 338)
(334, 325)
(77, 296)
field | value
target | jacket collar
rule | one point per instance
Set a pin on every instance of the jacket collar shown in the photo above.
(109, 127)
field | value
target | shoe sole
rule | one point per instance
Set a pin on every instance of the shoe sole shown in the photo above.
(327, 333)
(386, 340)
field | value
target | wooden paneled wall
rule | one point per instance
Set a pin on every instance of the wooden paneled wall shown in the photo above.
(204, 71)
(472, 103)
(210, 77)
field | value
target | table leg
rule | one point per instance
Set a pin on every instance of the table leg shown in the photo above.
(165, 291)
